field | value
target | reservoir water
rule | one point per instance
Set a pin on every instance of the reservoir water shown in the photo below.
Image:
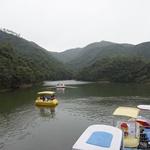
(24, 126)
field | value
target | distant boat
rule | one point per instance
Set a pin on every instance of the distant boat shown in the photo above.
(100, 137)
(46, 98)
(60, 85)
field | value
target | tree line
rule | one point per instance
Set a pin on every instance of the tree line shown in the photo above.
(17, 71)
(126, 69)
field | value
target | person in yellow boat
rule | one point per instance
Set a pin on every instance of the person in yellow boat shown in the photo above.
(42, 97)
(52, 97)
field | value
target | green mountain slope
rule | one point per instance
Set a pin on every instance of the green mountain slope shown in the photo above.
(67, 55)
(107, 61)
(94, 52)
(29, 63)
(142, 50)
(117, 69)
(50, 67)
(16, 71)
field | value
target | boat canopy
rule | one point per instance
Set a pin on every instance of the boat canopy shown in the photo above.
(127, 111)
(46, 92)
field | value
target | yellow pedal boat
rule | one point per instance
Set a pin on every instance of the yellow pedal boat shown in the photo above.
(46, 98)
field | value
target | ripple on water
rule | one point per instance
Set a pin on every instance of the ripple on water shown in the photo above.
(77, 109)
(17, 125)
(99, 108)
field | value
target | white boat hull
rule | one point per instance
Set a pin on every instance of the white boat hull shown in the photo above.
(99, 137)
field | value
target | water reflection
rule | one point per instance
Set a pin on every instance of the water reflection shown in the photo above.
(46, 111)
(61, 90)
(67, 83)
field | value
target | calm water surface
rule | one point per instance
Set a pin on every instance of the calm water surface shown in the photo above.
(23, 126)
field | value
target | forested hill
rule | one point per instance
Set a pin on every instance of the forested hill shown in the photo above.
(142, 50)
(23, 62)
(106, 61)
(67, 55)
(119, 68)
(80, 58)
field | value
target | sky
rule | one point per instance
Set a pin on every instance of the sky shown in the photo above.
(59, 25)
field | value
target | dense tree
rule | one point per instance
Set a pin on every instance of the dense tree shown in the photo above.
(24, 63)
(16, 71)
(117, 69)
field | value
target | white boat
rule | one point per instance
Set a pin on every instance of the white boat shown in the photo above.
(126, 135)
(60, 85)
(100, 137)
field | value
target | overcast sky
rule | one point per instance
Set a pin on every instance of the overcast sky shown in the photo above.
(58, 25)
